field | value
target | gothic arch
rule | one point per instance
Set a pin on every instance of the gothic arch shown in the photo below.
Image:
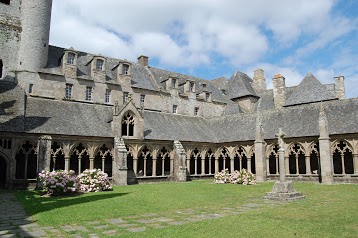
(342, 153)
(4, 169)
(128, 123)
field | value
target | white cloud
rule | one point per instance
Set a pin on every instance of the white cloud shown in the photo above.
(195, 34)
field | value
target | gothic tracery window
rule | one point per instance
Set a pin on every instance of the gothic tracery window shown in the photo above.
(128, 124)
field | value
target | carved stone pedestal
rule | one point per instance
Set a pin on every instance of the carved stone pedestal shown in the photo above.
(283, 191)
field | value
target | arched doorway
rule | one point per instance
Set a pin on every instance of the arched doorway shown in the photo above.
(3, 168)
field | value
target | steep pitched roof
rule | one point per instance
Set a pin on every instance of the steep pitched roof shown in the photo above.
(309, 90)
(239, 85)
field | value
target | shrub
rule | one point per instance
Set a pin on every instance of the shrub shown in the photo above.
(58, 182)
(237, 177)
(94, 180)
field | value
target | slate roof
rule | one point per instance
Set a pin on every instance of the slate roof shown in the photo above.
(12, 99)
(298, 121)
(309, 90)
(165, 126)
(67, 118)
(239, 85)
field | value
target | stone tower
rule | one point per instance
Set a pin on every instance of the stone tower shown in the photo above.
(35, 22)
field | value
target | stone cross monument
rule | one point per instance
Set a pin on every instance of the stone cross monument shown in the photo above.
(283, 190)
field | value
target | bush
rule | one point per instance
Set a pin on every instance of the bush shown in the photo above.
(58, 182)
(94, 180)
(237, 177)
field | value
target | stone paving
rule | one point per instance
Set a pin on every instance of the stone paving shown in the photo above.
(15, 223)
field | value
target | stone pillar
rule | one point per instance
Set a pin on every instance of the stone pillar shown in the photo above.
(287, 164)
(172, 166)
(188, 164)
(67, 163)
(355, 163)
(267, 166)
(209, 165)
(343, 167)
(308, 164)
(145, 166)
(202, 166)
(179, 172)
(135, 164)
(119, 166)
(261, 162)
(281, 157)
(277, 165)
(326, 158)
(103, 163)
(216, 164)
(79, 165)
(154, 167)
(44, 153)
(91, 163)
(232, 164)
(249, 164)
(196, 165)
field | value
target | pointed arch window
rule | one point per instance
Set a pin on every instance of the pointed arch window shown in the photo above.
(128, 124)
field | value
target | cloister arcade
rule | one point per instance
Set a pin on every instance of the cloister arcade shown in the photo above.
(156, 159)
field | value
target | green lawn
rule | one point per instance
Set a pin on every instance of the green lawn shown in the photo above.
(327, 211)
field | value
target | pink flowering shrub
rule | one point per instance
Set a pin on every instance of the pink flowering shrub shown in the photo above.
(237, 177)
(94, 180)
(58, 182)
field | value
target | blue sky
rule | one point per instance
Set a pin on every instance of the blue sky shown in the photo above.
(212, 38)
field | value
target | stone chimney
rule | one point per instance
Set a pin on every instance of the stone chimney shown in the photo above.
(143, 60)
(339, 87)
(259, 81)
(279, 90)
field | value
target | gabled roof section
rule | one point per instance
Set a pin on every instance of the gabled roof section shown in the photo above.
(308, 91)
(239, 85)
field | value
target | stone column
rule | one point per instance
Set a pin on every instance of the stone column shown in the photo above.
(44, 153)
(308, 164)
(281, 156)
(171, 165)
(277, 165)
(297, 167)
(267, 166)
(202, 166)
(209, 165)
(154, 167)
(216, 164)
(196, 165)
(261, 162)
(355, 163)
(287, 164)
(179, 172)
(232, 164)
(79, 165)
(91, 162)
(145, 166)
(249, 164)
(326, 158)
(67, 163)
(103, 163)
(119, 164)
(188, 164)
(135, 164)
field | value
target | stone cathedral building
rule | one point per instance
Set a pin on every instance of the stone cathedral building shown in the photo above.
(66, 109)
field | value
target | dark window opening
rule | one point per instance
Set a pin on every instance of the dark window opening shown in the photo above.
(1, 68)
(128, 124)
(7, 2)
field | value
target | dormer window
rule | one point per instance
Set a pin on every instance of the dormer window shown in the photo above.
(99, 64)
(174, 83)
(207, 97)
(125, 69)
(71, 58)
(192, 87)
